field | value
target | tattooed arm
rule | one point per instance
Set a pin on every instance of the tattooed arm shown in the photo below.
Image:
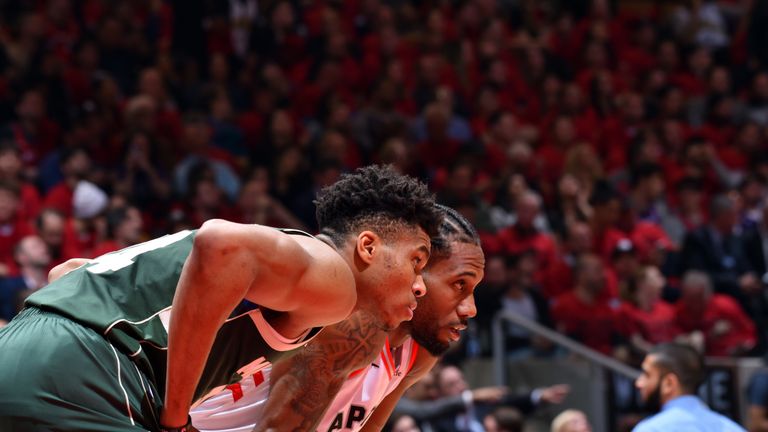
(304, 385)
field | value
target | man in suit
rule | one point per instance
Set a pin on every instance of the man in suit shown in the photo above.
(718, 249)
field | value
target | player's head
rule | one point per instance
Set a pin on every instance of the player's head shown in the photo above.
(385, 219)
(454, 270)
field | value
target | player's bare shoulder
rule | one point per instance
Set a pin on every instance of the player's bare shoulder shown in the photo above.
(328, 281)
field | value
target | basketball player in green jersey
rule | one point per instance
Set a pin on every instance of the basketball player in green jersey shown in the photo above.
(132, 339)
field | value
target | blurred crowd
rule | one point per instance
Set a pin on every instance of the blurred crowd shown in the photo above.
(612, 154)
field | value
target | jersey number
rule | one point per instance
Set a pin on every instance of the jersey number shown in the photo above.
(114, 261)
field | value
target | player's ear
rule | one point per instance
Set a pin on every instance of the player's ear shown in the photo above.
(368, 243)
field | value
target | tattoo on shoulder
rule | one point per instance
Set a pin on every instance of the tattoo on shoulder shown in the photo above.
(322, 367)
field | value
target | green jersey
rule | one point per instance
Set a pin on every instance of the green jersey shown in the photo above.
(127, 297)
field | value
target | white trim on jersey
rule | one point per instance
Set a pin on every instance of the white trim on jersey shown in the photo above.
(274, 339)
(120, 382)
(109, 328)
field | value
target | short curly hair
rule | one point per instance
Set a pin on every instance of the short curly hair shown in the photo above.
(378, 198)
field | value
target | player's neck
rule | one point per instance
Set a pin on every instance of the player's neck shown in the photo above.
(398, 336)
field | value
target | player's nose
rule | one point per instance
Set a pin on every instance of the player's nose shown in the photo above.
(419, 287)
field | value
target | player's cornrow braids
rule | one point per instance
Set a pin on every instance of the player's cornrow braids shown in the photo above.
(453, 228)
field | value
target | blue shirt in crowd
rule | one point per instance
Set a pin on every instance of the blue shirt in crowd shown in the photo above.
(687, 414)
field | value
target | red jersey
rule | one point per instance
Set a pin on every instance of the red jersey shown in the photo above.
(655, 326)
(740, 329)
(592, 324)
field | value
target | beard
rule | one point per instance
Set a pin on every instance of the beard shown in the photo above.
(653, 402)
(426, 332)
(427, 337)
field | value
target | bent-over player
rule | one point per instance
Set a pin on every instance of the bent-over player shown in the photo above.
(130, 340)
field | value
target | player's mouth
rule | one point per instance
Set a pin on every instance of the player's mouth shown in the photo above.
(455, 332)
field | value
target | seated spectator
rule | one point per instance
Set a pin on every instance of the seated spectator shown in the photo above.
(583, 313)
(757, 402)
(12, 228)
(522, 298)
(504, 419)
(197, 136)
(75, 164)
(86, 227)
(726, 329)
(606, 204)
(571, 421)
(691, 208)
(624, 265)
(648, 320)
(142, 177)
(256, 205)
(34, 133)
(523, 235)
(50, 226)
(456, 408)
(33, 260)
(11, 171)
(124, 228)
(205, 199)
(719, 250)
(559, 276)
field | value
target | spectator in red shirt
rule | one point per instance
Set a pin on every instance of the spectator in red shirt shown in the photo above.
(558, 278)
(34, 133)
(523, 235)
(583, 313)
(11, 171)
(75, 166)
(725, 328)
(12, 229)
(86, 227)
(646, 319)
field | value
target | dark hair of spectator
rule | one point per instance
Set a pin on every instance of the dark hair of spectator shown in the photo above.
(376, 198)
(681, 360)
(603, 193)
(115, 216)
(644, 171)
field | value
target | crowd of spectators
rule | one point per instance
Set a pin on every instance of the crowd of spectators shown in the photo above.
(612, 154)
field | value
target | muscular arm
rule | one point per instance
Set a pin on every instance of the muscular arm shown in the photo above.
(304, 385)
(230, 262)
(424, 363)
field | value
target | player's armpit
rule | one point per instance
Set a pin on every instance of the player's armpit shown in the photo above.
(304, 385)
